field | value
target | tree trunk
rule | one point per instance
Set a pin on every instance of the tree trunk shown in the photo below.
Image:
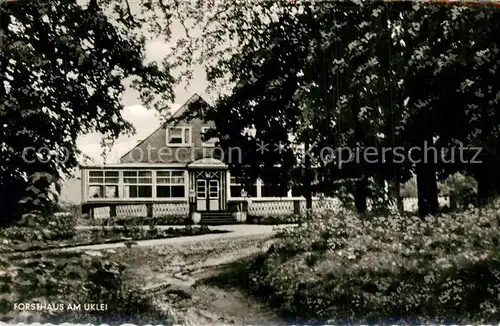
(422, 192)
(360, 196)
(427, 189)
(308, 179)
(400, 204)
(397, 193)
(486, 186)
(433, 194)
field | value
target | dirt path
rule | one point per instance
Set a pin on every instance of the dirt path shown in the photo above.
(212, 305)
(186, 280)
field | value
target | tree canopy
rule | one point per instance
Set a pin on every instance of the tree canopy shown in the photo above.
(358, 74)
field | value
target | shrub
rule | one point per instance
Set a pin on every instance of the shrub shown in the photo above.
(162, 220)
(36, 227)
(409, 188)
(338, 265)
(42, 221)
(52, 227)
(76, 279)
(461, 189)
(272, 220)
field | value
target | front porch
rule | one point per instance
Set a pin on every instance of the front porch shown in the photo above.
(208, 186)
(202, 188)
(255, 207)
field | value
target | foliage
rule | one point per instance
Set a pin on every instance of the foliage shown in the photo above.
(458, 184)
(70, 208)
(25, 239)
(142, 233)
(62, 65)
(135, 221)
(461, 188)
(274, 220)
(41, 222)
(42, 194)
(339, 267)
(355, 74)
(409, 189)
(160, 220)
(74, 279)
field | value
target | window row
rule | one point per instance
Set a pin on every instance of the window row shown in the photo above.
(137, 177)
(146, 177)
(136, 191)
(266, 190)
(168, 184)
(181, 136)
(104, 176)
(137, 184)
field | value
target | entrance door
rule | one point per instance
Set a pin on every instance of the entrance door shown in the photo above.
(213, 194)
(207, 191)
(201, 195)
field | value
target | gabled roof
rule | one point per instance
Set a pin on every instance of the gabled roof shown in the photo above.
(194, 98)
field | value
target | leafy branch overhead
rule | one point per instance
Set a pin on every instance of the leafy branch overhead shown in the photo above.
(64, 67)
(382, 74)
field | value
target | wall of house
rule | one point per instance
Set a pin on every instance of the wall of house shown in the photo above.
(154, 149)
(230, 188)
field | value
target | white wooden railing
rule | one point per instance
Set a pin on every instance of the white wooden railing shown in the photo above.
(269, 206)
(286, 206)
(101, 212)
(321, 205)
(170, 209)
(411, 204)
(131, 211)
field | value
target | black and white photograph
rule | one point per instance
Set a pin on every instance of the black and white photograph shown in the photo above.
(250, 162)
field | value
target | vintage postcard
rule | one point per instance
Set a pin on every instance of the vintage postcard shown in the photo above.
(249, 162)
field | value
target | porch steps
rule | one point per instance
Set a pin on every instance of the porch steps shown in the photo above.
(217, 218)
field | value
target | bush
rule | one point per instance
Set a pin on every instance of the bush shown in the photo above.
(273, 220)
(76, 279)
(162, 220)
(409, 188)
(338, 265)
(43, 219)
(36, 227)
(461, 189)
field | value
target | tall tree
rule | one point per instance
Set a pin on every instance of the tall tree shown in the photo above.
(62, 66)
(403, 74)
(450, 83)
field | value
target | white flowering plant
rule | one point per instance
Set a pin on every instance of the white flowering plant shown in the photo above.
(390, 268)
